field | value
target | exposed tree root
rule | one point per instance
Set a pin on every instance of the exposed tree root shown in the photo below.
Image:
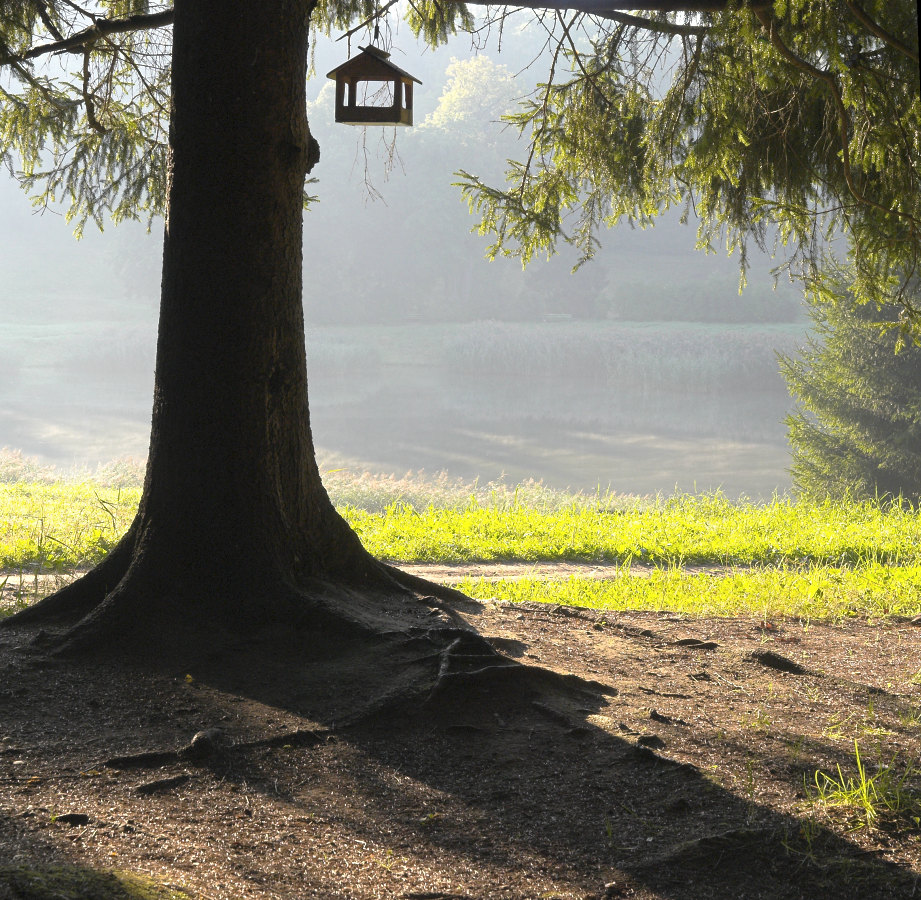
(128, 606)
(439, 595)
(464, 680)
(134, 604)
(208, 744)
(350, 649)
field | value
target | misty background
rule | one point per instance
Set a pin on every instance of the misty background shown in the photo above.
(644, 371)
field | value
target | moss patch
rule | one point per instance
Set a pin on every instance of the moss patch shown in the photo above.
(75, 883)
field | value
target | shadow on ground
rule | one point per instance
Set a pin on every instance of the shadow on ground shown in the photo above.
(516, 781)
(330, 784)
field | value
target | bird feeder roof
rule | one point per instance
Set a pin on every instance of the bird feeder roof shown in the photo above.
(372, 63)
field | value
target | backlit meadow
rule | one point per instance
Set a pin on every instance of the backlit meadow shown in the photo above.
(699, 554)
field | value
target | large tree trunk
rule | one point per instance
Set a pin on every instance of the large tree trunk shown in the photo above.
(232, 477)
(235, 528)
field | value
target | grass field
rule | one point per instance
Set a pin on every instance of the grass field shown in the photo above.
(782, 558)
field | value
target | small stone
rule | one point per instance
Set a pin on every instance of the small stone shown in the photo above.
(651, 741)
(73, 819)
(696, 644)
(210, 742)
(775, 661)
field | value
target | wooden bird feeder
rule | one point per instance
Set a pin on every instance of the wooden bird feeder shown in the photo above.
(355, 100)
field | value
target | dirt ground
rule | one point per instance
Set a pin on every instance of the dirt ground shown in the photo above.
(676, 769)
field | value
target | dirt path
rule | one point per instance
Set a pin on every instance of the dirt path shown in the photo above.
(18, 587)
(452, 573)
(684, 780)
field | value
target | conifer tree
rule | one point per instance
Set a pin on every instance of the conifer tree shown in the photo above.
(857, 429)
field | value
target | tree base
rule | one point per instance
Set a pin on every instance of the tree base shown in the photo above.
(382, 645)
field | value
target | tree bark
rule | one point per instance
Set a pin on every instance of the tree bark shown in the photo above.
(234, 528)
(231, 443)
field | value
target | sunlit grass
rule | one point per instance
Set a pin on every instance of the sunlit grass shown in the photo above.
(59, 526)
(890, 794)
(782, 558)
(818, 592)
(71, 524)
(687, 529)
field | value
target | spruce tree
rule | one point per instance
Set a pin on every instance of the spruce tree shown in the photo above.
(857, 428)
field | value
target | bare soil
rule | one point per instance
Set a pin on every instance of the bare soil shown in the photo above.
(674, 769)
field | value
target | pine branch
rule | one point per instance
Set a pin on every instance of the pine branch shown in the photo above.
(769, 24)
(619, 12)
(616, 11)
(46, 21)
(880, 32)
(101, 28)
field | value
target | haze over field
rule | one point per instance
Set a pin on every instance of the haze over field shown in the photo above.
(644, 371)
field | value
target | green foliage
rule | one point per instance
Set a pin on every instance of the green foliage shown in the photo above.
(806, 116)
(85, 125)
(817, 592)
(61, 526)
(803, 117)
(858, 427)
(477, 93)
(436, 22)
(429, 20)
(686, 529)
(432, 21)
(889, 796)
(87, 130)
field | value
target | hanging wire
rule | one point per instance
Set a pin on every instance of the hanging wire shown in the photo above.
(385, 36)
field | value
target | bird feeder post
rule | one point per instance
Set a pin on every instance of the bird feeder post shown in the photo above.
(408, 93)
(398, 97)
